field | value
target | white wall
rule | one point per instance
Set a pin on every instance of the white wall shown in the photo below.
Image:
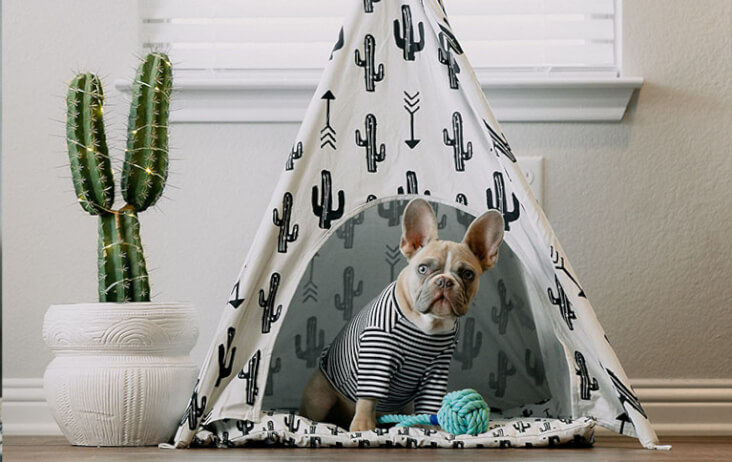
(643, 207)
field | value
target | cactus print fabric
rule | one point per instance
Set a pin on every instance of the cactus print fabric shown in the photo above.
(289, 430)
(399, 113)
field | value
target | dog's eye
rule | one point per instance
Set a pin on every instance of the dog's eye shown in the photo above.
(422, 269)
(468, 275)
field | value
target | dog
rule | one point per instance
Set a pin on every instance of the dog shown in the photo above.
(395, 353)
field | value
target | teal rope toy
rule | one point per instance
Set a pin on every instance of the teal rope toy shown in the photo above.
(462, 412)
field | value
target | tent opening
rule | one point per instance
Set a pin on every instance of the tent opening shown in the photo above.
(499, 352)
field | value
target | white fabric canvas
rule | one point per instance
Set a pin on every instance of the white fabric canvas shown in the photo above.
(399, 113)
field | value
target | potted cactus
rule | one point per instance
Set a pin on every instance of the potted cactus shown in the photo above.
(121, 374)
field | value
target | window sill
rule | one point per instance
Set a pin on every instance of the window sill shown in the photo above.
(283, 96)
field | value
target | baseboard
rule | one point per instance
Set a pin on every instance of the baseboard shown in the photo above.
(674, 406)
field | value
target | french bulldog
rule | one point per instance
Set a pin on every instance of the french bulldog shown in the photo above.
(396, 351)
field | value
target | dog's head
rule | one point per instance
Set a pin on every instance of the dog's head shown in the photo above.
(443, 276)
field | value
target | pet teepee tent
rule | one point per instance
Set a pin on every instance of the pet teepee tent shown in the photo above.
(399, 112)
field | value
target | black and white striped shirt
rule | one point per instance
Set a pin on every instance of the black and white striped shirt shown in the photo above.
(382, 355)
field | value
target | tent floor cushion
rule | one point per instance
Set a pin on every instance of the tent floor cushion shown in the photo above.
(290, 430)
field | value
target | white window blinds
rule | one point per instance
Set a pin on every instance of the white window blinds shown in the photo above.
(501, 37)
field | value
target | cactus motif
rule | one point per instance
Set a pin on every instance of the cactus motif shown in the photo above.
(323, 206)
(369, 142)
(295, 153)
(521, 427)
(442, 222)
(460, 153)
(412, 185)
(497, 380)
(224, 353)
(346, 232)
(372, 74)
(444, 54)
(311, 353)
(535, 368)
(463, 218)
(471, 343)
(270, 315)
(195, 410)
(565, 306)
(587, 384)
(368, 5)
(244, 426)
(273, 369)
(404, 34)
(345, 304)
(500, 315)
(252, 371)
(392, 211)
(500, 202)
(292, 422)
(121, 262)
(283, 223)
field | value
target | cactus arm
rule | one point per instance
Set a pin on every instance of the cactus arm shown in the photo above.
(338, 213)
(145, 169)
(419, 46)
(398, 35)
(91, 169)
(360, 141)
(317, 208)
(446, 138)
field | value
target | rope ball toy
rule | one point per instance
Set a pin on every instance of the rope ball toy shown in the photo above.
(462, 412)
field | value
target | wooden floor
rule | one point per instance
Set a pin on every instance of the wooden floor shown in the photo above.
(607, 449)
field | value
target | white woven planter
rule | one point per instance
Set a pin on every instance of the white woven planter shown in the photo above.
(121, 375)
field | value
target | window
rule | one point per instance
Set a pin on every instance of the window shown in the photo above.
(519, 46)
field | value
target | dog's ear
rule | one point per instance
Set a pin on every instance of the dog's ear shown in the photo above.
(419, 227)
(484, 237)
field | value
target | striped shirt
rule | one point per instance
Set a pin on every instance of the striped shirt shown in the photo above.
(382, 355)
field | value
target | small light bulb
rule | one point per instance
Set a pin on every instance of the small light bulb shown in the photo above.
(149, 171)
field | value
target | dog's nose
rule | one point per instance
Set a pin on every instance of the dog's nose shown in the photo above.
(443, 282)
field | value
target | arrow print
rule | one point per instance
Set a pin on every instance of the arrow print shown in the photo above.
(310, 291)
(327, 134)
(500, 145)
(393, 256)
(236, 301)
(411, 105)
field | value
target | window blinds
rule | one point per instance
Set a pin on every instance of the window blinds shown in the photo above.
(502, 38)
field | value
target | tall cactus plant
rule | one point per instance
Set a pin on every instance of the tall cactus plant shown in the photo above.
(121, 262)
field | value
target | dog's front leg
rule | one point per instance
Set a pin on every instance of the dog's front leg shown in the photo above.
(365, 416)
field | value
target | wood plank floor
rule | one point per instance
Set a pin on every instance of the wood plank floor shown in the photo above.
(606, 449)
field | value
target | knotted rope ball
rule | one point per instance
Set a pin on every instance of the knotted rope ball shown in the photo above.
(462, 412)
